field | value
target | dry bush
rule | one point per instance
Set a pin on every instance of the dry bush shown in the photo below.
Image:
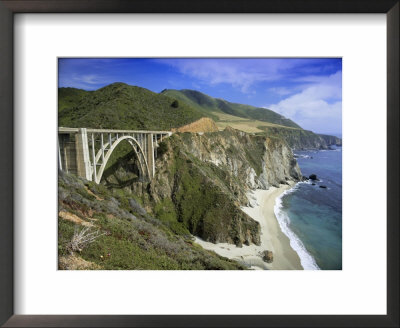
(82, 238)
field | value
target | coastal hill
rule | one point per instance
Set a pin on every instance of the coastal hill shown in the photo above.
(253, 120)
(215, 107)
(70, 97)
(122, 106)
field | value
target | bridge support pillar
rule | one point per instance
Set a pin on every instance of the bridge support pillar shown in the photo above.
(150, 154)
(67, 151)
(82, 155)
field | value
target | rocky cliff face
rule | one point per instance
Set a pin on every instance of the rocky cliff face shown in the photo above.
(202, 180)
(331, 140)
(303, 139)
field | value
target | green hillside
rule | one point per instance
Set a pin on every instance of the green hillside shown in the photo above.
(122, 106)
(70, 97)
(214, 106)
(125, 236)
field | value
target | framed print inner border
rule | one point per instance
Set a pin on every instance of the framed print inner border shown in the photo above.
(7, 197)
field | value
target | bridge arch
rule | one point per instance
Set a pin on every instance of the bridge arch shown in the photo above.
(137, 149)
(86, 152)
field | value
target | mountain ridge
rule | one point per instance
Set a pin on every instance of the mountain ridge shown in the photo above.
(253, 122)
(213, 105)
(121, 106)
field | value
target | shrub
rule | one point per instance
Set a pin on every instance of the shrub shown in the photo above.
(162, 148)
(82, 238)
(175, 104)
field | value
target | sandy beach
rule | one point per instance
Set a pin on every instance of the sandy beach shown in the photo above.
(272, 238)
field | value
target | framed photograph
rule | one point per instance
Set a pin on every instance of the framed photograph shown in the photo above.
(207, 164)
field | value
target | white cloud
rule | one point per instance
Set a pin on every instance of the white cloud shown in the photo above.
(281, 91)
(317, 107)
(87, 82)
(89, 79)
(242, 74)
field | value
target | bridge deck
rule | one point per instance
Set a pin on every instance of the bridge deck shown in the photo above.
(76, 130)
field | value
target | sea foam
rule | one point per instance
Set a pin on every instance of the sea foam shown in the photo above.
(306, 259)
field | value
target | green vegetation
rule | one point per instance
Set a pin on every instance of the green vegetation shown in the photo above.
(123, 160)
(212, 106)
(70, 97)
(296, 138)
(120, 106)
(166, 212)
(194, 99)
(175, 104)
(331, 140)
(128, 238)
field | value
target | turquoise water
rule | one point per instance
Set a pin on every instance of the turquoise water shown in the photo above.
(312, 216)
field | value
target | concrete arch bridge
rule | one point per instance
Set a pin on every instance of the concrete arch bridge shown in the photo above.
(85, 152)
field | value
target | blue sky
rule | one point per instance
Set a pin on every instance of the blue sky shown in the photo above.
(306, 90)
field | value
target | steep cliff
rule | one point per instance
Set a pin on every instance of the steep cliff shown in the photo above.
(202, 180)
(302, 139)
(331, 140)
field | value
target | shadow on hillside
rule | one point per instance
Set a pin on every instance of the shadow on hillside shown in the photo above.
(121, 183)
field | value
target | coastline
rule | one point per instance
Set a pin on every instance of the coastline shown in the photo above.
(272, 237)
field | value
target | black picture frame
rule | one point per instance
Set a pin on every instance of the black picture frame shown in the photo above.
(10, 7)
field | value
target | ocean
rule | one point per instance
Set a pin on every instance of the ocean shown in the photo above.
(312, 216)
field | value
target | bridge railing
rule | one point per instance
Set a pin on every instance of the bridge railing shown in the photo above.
(88, 130)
